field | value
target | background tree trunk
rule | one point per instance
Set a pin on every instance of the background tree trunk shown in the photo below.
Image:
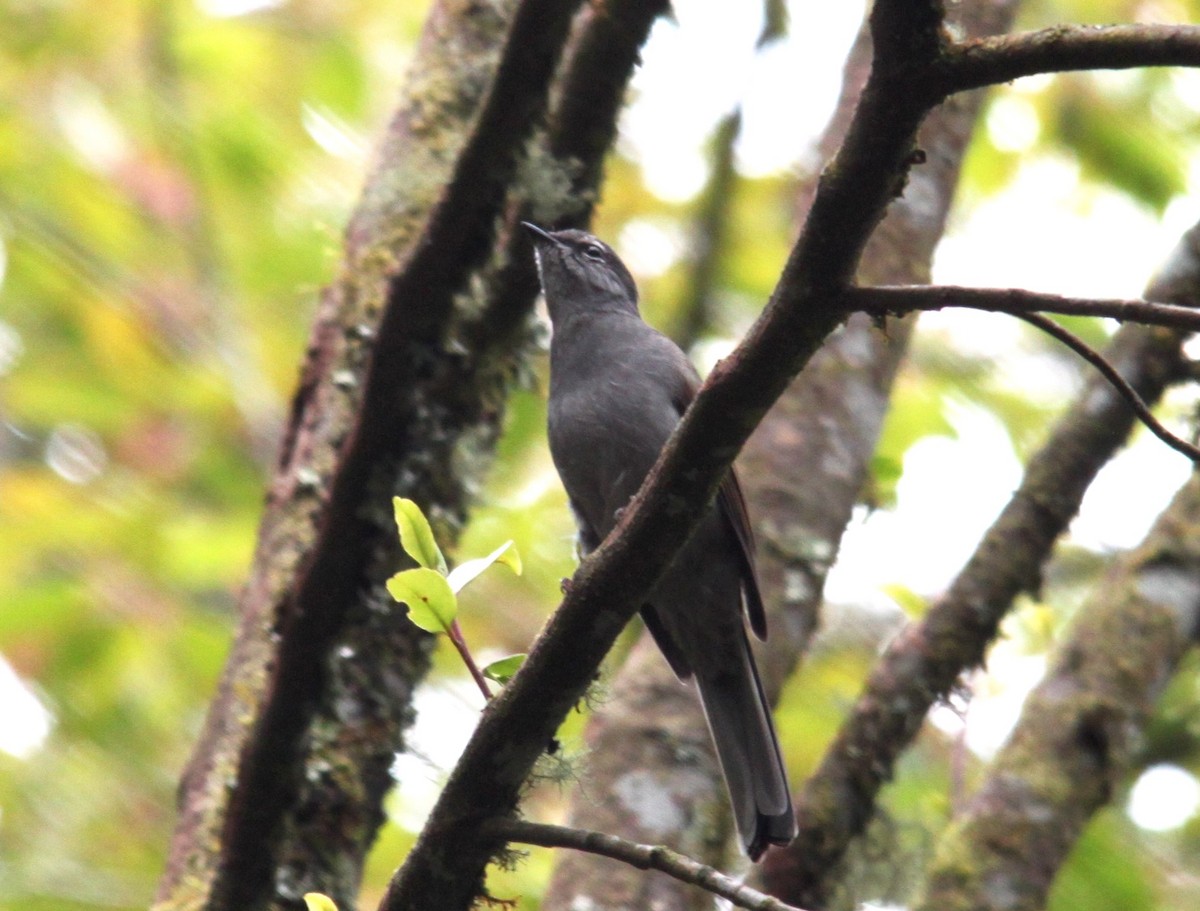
(402, 392)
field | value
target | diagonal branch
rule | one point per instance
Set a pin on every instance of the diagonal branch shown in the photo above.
(446, 866)
(1064, 48)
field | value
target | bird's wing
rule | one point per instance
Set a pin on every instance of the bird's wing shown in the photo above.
(732, 505)
(672, 652)
(733, 508)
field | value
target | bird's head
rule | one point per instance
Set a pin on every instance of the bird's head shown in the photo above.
(580, 273)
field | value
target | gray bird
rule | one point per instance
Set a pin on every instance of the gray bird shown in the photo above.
(617, 390)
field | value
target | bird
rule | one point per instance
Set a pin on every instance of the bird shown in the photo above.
(618, 388)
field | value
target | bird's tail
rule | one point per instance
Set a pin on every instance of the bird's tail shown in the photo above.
(739, 719)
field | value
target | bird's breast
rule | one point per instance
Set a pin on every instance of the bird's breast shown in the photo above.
(604, 440)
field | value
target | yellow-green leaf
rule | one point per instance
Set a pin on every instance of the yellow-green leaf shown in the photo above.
(416, 537)
(317, 901)
(503, 669)
(506, 553)
(913, 605)
(431, 603)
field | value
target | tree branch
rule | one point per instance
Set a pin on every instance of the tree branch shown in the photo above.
(1028, 305)
(898, 300)
(565, 161)
(1064, 48)
(644, 857)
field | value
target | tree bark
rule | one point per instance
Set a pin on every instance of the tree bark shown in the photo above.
(1081, 727)
(402, 392)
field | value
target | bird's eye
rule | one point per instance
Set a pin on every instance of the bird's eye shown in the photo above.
(593, 251)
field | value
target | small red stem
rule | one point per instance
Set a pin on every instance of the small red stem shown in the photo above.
(460, 643)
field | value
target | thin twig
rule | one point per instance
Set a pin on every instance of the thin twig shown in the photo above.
(1110, 373)
(644, 857)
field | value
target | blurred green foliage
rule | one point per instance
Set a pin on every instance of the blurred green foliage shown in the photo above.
(173, 183)
(174, 177)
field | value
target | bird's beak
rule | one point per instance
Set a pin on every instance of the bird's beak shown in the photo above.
(539, 234)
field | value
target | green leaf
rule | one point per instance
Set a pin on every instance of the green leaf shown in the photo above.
(318, 901)
(464, 573)
(503, 669)
(416, 537)
(431, 603)
(913, 605)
